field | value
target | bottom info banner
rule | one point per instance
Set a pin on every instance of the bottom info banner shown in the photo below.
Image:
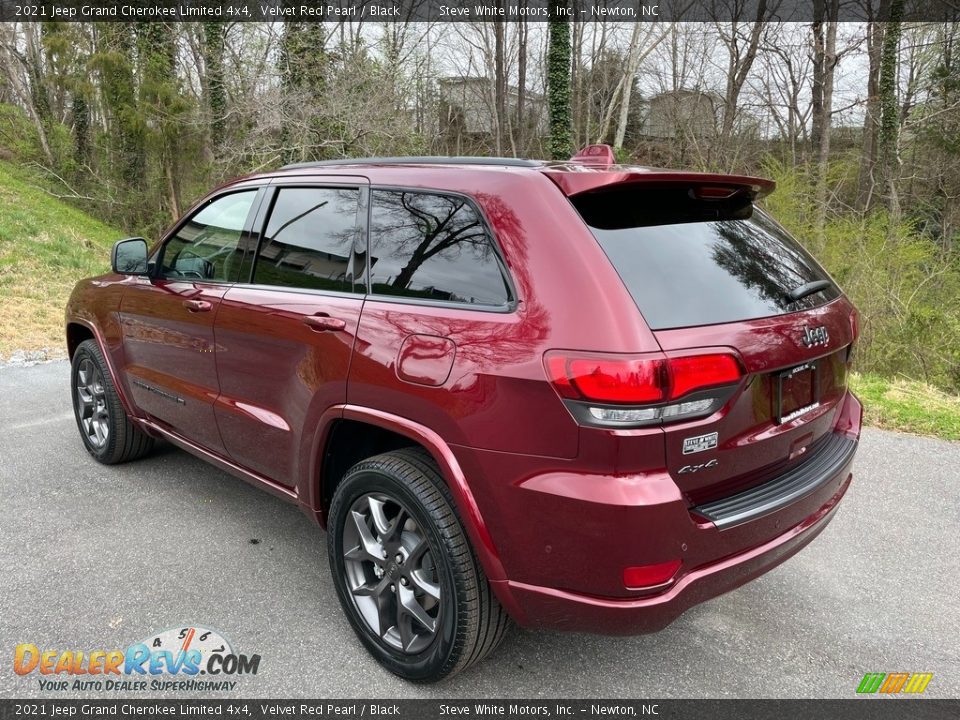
(867, 709)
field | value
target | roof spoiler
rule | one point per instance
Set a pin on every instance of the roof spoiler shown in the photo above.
(607, 174)
(704, 186)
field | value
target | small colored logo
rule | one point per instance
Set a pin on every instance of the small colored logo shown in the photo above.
(892, 683)
(186, 652)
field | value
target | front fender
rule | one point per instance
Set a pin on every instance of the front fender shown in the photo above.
(94, 305)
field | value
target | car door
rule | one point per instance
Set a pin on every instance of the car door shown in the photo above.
(167, 318)
(284, 340)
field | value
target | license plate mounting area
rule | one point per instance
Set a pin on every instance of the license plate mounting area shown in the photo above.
(796, 392)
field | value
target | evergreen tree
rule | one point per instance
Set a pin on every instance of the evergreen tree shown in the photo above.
(558, 83)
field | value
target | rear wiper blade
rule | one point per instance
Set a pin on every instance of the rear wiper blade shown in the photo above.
(798, 293)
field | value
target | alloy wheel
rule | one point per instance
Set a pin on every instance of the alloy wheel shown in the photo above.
(391, 574)
(92, 403)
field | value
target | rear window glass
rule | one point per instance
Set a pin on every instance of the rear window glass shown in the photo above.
(432, 246)
(701, 262)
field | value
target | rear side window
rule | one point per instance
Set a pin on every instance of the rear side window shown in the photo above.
(311, 240)
(688, 262)
(427, 245)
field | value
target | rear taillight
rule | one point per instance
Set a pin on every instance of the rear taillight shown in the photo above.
(609, 380)
(642, 389)
(702, 371)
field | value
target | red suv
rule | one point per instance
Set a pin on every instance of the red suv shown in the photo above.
(579, 395)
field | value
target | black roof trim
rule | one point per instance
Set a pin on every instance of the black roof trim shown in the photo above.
(419, 160)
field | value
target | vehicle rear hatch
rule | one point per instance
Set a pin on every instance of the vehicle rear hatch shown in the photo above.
(712, 274)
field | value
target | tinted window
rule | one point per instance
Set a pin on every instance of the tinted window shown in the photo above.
(432, 246)
(310, 240)
(739, 266)
(209, 246)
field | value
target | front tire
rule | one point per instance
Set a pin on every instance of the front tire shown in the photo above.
(107, 433)
(405, 573)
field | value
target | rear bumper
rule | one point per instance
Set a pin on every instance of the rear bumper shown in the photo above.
(559, 610)
(565, 536)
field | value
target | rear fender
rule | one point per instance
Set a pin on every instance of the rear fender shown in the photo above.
(466, 504)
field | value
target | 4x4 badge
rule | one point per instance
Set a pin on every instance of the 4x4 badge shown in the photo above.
(697, 468)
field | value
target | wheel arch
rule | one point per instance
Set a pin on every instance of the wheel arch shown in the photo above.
(398, 432)
(78, 331)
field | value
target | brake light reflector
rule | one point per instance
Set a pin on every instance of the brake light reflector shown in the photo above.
(642, 576)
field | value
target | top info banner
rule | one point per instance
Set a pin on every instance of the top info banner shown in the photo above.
(465, 11)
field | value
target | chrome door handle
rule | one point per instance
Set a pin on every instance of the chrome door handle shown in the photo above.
(324, 323)
(197, 305)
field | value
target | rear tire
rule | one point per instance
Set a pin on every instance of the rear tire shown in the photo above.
(107, 433)
(405, 573)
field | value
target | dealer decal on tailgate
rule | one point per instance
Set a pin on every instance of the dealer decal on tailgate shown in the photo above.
(699, 443)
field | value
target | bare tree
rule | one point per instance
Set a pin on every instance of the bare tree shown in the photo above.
(824, 32)
(19, 67)
(871, 119)
(742, 41)
(643, 40)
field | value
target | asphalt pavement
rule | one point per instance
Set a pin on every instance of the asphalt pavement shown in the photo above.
(95, 557)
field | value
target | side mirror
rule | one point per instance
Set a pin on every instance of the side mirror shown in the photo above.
(129, 257)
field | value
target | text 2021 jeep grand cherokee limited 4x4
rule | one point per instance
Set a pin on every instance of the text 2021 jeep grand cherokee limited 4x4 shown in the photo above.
(579, 395)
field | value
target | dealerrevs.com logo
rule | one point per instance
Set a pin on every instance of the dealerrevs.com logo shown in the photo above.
(179, 659)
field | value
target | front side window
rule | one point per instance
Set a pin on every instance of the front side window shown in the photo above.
(426, 245)
(210, 245)
(311, 241)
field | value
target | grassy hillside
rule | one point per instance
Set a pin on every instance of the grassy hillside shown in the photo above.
(908, 406)
(46, 245)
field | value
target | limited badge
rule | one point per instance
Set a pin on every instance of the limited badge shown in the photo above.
(699, 443)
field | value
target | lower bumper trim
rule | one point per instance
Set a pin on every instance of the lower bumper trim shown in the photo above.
(819, 468)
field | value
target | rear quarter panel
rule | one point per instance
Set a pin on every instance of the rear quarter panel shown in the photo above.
(496, 395)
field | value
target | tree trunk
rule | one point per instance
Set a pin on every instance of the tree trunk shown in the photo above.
(558, 83)
(740, 69)
(81, 128)
(120, 99)
(871, 119)
(520, 123)
(499, 87)
(819, 70)
(158, 101)
(14, 62)
(825, 63)
(213, 45)
(888, 140)
(638, 51)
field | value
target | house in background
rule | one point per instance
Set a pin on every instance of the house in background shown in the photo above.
(467, 115)
(682, 114)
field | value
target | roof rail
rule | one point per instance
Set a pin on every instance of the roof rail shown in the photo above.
(419, 160)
